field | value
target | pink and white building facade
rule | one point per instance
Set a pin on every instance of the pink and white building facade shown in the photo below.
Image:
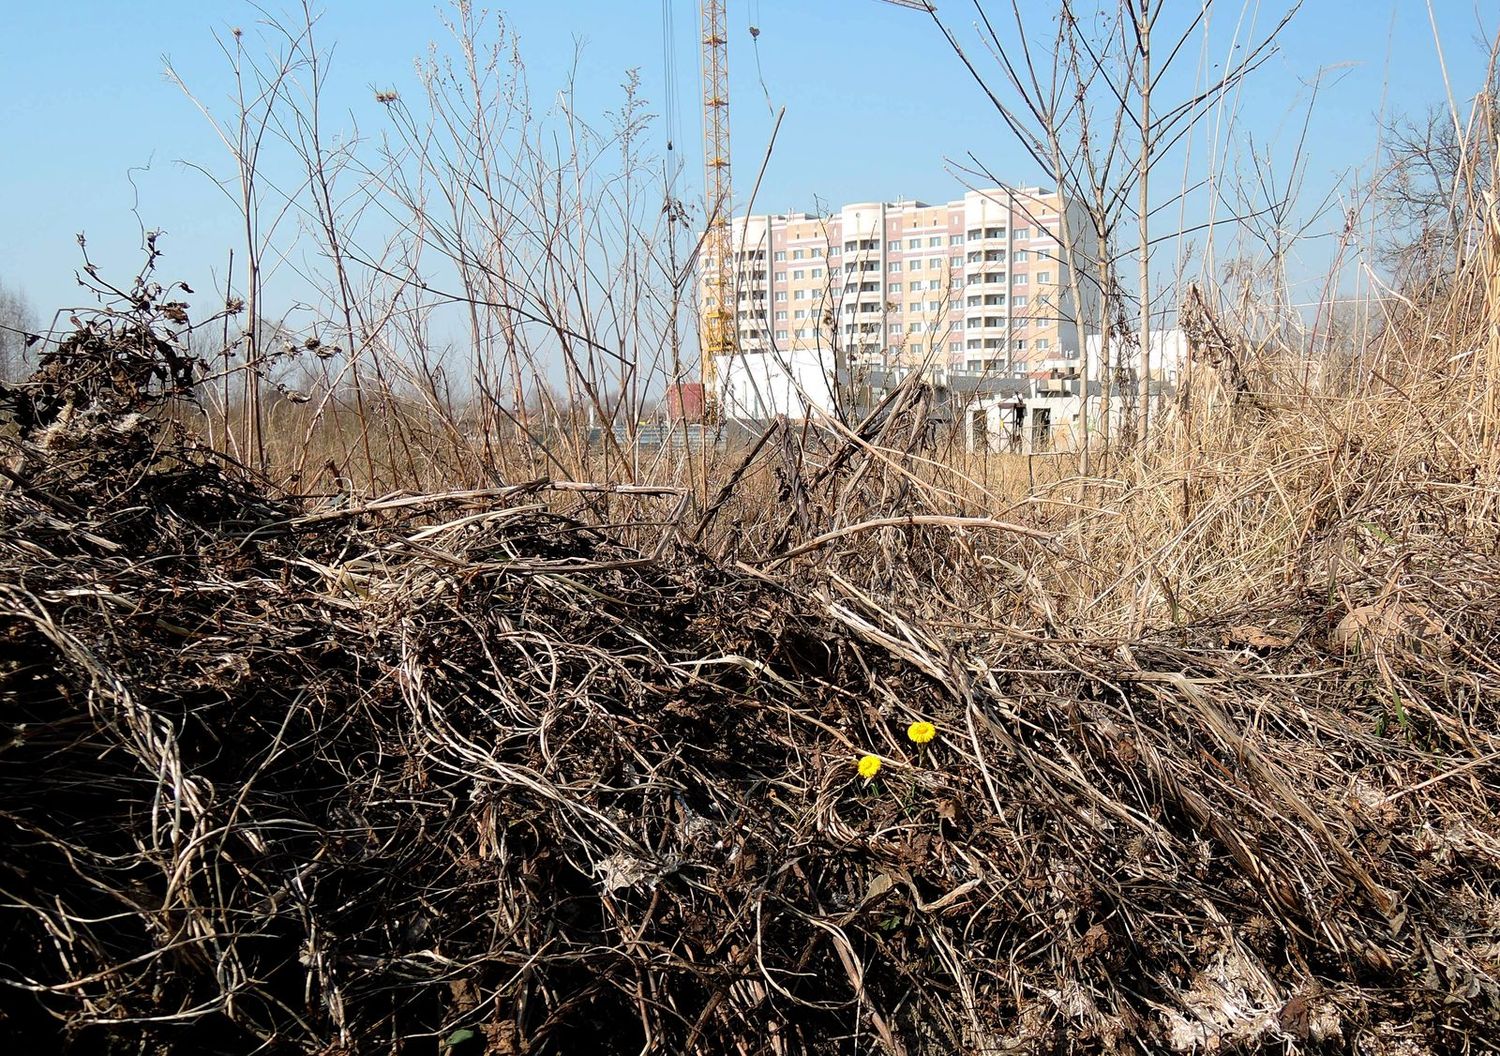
(981, 283)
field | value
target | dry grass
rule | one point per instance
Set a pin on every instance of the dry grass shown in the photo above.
(554, 766)
(386, 720)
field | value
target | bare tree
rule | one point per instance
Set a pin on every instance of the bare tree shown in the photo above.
(1434, 174)
(1093, 113)
(17, 324)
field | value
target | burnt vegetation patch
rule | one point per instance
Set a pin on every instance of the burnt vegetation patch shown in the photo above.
(467, 772)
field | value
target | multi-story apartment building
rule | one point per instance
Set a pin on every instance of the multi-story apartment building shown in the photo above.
(979, 283)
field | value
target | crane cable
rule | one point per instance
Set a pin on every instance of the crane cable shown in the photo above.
(669, 74)
(753, 20)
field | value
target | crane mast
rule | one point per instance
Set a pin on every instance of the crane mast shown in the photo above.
(718, 338)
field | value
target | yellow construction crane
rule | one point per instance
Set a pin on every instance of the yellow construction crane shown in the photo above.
(718, 336)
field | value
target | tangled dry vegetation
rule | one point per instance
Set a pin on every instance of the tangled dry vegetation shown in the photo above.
(483, 772)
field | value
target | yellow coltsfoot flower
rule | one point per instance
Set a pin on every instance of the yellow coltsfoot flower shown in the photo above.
(869, 766)
(921, 732)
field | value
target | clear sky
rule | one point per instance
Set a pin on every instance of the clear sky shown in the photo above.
(876, 106)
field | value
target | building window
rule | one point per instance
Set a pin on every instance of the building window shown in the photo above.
(894, 287)
(799, 295)
(1018, 280)
(817, 273)
(893, 246)
(1019, 302)
(799, 274)
(1023, 234)
(781, 335)
(914, 306)
(973, 324)
(1042, 342)
(974, 342)
(799, 314)
(895, 265)
(895, 328)
(915, 347)
(833, 251)
(995, 276)
(913, 243)
(914, 265)
(955, 240)
(974, 234)
(994, 232)
(955, 346)
(781, 276)
(781, 295)
(781, 317)
(1044, 276)
(1019, 344)
(972, 302)
(1019, 256)
(797, 254)
(914, 328)
(933, 306)
(934, 241)
(781, 254)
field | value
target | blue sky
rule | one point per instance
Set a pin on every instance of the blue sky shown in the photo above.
(876, 106)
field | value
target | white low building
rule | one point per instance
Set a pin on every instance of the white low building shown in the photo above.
(759, 386)
(1169, 354)
(994, 412)
(1045, 416)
